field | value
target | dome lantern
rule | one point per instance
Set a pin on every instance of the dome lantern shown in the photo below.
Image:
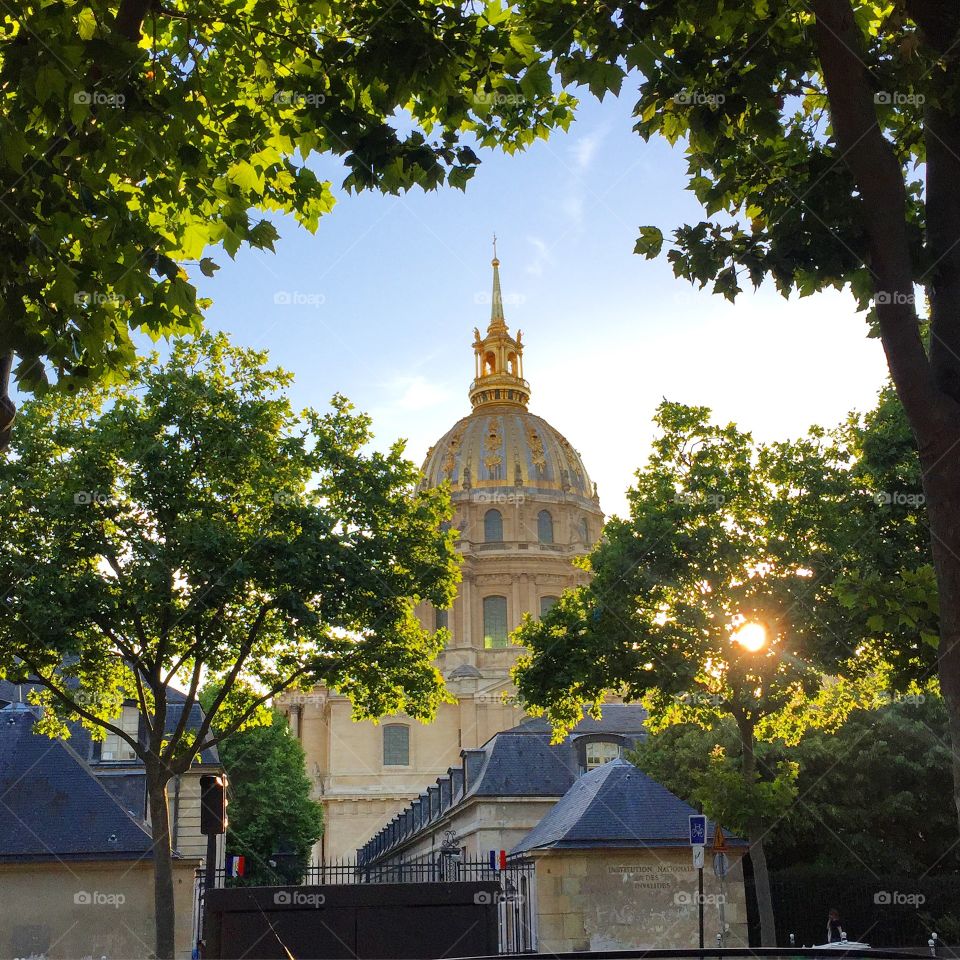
(498, 378)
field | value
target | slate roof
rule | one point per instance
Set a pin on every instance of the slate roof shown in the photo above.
(623, 718)
(80, 738)
(519, 765)
(521, 761)
(52, 807)
(615, 805)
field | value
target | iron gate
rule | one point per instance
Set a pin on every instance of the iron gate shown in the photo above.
(516, 901)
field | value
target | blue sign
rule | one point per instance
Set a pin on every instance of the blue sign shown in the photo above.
(698, 829)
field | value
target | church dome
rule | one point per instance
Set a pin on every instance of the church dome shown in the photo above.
(501, 446)
(508, 448)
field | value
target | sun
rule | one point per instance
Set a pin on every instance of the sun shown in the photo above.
(751, 636)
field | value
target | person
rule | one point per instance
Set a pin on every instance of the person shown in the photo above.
(834, 933)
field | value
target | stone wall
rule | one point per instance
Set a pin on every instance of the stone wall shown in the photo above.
(633, 899)
(95, 909)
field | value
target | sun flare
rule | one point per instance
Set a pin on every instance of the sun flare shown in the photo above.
(751, 636)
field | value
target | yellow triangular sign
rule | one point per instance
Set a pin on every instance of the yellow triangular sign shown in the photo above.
(719, 840)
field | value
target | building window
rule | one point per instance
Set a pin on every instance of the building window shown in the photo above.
(584, 530)
(493, 526)
(115, 747)
(599, 752)
(544, 527)
(546, 605)
(494, 622)
(441, 619)
(396, 745)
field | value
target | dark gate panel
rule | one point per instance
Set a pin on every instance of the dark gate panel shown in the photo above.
(368, 921)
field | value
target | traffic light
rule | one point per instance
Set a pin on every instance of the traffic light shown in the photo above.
(213, 804)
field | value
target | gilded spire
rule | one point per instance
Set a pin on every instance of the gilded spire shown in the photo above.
(499, 357)
(498, 323)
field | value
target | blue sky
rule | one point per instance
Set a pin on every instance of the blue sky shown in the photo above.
(385, 296)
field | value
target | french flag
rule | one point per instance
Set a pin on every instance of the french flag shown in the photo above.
(235, 865)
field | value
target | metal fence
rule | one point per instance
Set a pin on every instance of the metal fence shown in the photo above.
(884, 911)
(516, 903)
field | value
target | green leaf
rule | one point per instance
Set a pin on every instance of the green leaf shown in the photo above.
(86, 24)
(650, 242)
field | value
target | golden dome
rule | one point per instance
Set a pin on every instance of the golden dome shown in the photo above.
(509, 448)
(501, 444)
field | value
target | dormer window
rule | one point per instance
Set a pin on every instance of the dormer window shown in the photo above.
(596, 751)
(114, 747)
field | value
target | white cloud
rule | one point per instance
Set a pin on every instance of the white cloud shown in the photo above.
(541, 256)
(417, 393)
(584, 149)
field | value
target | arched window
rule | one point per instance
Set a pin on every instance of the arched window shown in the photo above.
(492, 526)
(546, 604)
(544, 527)
(599, 752)
(584, 530)
(494, 622)
(512, 363)
(489, 364)
(441, 619)
(396, 745)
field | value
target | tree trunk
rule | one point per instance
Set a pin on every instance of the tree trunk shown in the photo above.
(928, 387)
(8, 409)
(758, 858)
(163, 905)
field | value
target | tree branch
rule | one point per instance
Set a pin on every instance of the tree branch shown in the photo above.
(75, 707)
(130, 18)
(8, 409)
(879, 178)
(185, 713)
(234, 673)
(240, 721)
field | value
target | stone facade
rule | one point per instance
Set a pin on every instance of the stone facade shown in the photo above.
(633, 899)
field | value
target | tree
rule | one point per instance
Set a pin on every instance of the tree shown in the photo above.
(884, 579)
(138, 134)
(190, 526)
(712, 600)
(858, 807)
(266, 772)
(805, 131)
